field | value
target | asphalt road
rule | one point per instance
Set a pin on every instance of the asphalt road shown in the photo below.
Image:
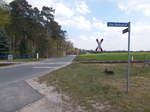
(15, 93)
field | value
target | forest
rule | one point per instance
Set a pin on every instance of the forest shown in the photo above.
(25, 31)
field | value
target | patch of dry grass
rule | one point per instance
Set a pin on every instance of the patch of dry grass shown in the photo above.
(88, 85)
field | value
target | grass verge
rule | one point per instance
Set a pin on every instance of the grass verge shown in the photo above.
(137, 56)
(89, 86)
(26, 60)
(23, 60)
(3, 65)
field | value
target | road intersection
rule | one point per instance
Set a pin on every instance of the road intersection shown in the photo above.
(15, 93)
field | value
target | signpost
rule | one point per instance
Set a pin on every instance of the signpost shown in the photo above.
(117, 24)
(129, 58)
(128, 29)
(37, 56)
(10, 57)
(125, 30)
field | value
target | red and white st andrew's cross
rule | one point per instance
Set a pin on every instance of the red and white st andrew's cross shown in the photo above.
(99, 47)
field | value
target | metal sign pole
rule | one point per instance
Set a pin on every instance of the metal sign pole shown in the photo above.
(118, 24)
(129, 59)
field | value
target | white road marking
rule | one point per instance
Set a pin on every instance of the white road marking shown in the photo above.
(54, 63)
(44, 67)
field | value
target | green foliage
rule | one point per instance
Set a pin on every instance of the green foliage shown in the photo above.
(4, 14)
(4, 42)
(32, 31)
(4, 17)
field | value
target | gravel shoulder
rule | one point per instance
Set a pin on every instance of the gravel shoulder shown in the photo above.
(53, 101)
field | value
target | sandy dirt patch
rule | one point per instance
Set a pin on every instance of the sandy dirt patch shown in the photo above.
(53, 101)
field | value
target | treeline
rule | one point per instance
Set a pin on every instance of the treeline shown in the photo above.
(25, 30)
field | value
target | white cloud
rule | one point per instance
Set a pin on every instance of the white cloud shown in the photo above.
(78, 22)
(140, 37)
(63, 10)
(82, 7)
(85, 42)
(147, 12)
(41, 3)
(90, 38)
(64, 21)
(99, 25)
(82, 23)
(134, 6)
(83, 37)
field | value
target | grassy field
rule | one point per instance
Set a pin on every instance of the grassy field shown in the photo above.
(89, 86)
(137, 56)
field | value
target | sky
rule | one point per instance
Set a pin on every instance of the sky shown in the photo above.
(86, 20)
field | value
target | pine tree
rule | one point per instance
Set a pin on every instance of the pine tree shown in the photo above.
(4, 42)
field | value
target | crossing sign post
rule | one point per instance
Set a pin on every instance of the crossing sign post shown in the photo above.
(128, 29)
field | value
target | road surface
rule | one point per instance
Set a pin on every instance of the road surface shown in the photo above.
(15, 92)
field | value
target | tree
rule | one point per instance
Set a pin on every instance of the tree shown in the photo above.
(47, 13)
(4, 17)
(4, 20)
(4, 13)
(4, 42)
(32, 30)
(20, 13)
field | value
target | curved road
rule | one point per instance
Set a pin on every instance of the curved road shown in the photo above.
(15, 92)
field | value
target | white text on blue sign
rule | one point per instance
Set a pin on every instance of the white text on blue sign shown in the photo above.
(116, 24)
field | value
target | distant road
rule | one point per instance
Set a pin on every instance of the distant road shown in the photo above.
(25, 71)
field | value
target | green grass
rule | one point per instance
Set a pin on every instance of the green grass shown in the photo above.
(138, 56)
(87, 84)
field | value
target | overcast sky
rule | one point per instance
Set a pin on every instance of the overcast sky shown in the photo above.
(86, 20)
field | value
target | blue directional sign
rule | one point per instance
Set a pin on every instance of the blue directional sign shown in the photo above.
(116, 24)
